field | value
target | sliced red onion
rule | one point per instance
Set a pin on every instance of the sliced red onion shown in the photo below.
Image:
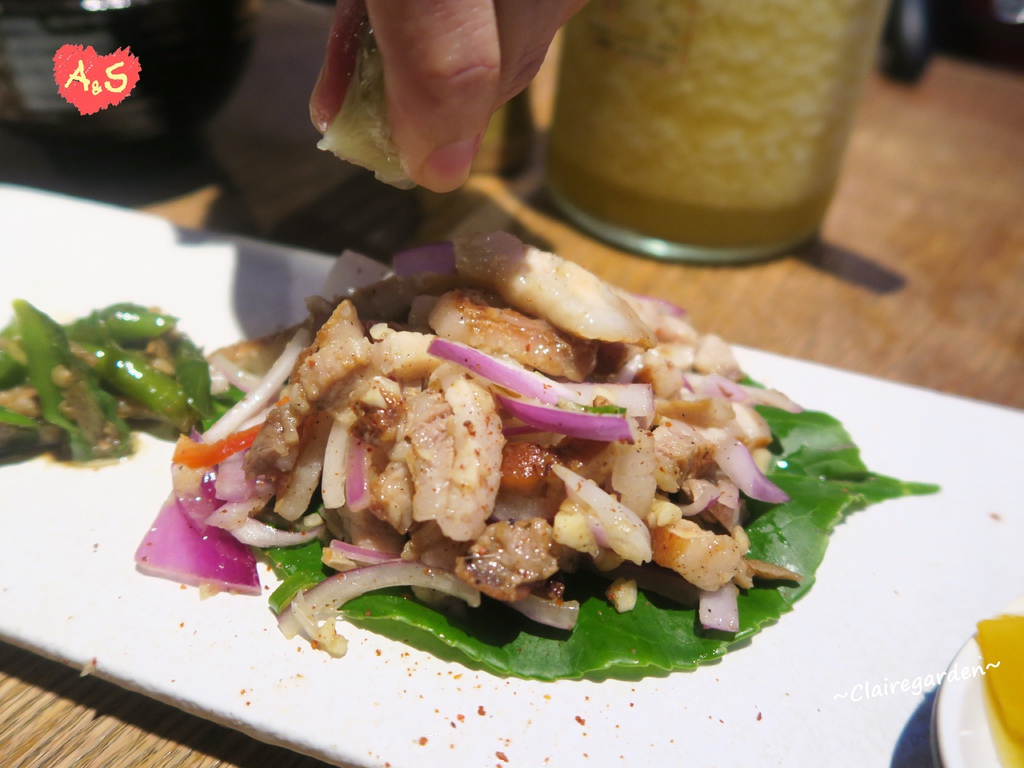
(505, 374)
(605, 427)
(735, 460)
(357, 475)
(265, 393)
(719, 609)
(363, 555)
(259, 534)
(561, 614)
(176, 548)
(433, 257)
(350, 271)
(627, 535)
(329, 595)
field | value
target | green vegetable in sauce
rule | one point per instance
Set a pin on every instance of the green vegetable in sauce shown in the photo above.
(193, 375)
(69, 395)
(124, 361)
(123, 323)
(130, 373)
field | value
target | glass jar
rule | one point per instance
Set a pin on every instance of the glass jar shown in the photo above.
(708, 130)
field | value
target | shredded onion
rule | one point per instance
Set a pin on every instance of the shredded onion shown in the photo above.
(233, 373)
(561, 614)
(332, 482)
(258, 534)
(329, 595)
(363, 554)
(297, 619)
(264, 394)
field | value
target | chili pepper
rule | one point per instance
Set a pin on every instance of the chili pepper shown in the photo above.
(130, 373)
(69, 395)
(197, 455)
(124, 323)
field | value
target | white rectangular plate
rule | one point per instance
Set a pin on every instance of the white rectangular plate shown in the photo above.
(833, 683)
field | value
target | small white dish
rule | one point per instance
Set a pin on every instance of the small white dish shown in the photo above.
(961, 734)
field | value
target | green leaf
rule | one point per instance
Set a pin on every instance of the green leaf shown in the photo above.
(815, 462)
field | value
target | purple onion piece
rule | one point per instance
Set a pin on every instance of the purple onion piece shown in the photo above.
(590, 426)
(737, 463)
(433, 257)
(179, 549)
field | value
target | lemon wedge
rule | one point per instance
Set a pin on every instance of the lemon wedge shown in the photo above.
(1002, 649)
(360, 133)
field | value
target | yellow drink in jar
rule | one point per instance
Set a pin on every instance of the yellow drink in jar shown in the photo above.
(707, 129)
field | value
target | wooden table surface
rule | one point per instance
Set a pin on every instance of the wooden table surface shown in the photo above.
(918, 278)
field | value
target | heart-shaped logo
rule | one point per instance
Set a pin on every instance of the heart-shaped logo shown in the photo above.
(92, 82)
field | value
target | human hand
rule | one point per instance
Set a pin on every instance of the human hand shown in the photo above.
(448, 65)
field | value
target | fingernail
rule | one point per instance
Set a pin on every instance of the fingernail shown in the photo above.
(447, 167)
(317, 109)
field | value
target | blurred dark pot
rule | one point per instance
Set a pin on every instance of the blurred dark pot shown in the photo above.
(192, 54)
